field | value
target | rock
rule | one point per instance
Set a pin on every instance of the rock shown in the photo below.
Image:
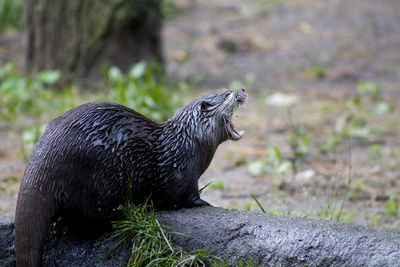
(270, 240)
(7, 255)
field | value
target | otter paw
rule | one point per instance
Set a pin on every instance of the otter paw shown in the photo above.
(200, 203)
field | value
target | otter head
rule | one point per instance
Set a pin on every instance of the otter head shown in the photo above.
(209, 118)
(215, 114)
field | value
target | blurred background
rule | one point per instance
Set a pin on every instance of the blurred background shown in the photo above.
(322, 121)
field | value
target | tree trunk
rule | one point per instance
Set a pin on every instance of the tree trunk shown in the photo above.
(77, 37)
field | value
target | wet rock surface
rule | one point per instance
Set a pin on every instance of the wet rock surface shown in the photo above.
(270, 240)
(283, 241)
(7, 255)
(69, 251)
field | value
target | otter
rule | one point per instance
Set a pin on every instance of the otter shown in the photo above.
(89, 158)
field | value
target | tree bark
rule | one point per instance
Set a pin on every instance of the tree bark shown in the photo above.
(270, 241)
(78, 36)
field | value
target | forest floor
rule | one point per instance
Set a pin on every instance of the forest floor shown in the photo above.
(322, 123)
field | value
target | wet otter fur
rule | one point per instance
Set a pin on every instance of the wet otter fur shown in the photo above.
(87, 159)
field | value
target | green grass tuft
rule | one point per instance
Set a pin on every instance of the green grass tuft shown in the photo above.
(258, 203)
(151, 242)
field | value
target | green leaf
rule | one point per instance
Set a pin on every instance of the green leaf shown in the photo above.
(284, 167)
(7, 69)
(204, 187)
(31, 135)
(114, 74)
(274, 154)
(149, 101)
(368, 88)
(383, 108)
(138, 70)
(258, 203)
(157, 116)
(14, 86)
(49, 76)
(392, 207)
(256, 168)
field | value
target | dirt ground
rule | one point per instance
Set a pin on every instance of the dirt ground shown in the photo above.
(319, 52)
(322, 120)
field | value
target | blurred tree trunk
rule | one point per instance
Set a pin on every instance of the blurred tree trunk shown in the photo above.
(79, 36)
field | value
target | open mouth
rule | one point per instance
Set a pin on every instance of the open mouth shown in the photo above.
(235, 134)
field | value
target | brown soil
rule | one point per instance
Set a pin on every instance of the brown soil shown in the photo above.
(319, 52)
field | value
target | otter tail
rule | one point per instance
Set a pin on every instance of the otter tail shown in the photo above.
(32, 219)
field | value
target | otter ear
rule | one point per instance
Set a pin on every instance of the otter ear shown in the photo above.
(205, 106)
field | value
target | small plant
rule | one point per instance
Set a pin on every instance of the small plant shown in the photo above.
(248, 81)
(368, 88)
(272, 164)
(29, 138)
(204, 187)
(151, 242)
(330, 211)
(250, 206)
(299, 142)
(376, 153)
(169, 8)
(20, 95)
(361, 110)
(10, 14)
(392, 207)
(249, 262)
(218, 185)
(278, 212)
(383, 107)
(31, 97)
(144, 88)
(317, 72)
(333, 142)
(258, 203)
(9, 185)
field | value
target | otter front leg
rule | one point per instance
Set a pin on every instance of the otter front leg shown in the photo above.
(191, 197)
(194, 200)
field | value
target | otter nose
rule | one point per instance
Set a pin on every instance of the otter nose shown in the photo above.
(241, 95)
(240, 91)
